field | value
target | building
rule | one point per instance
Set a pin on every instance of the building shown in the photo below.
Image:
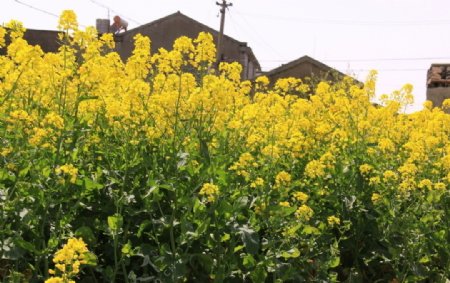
(305, 67)
(164, 31)
(46, 39)
(438, 84)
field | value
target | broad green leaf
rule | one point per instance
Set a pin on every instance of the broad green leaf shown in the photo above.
(24, 171)
(21, 243)
(127, 249)
(238, 248)
(334, 262)
(225, 237)
(249, 261)
(250, 239)
(292, 253)
(91, 185)
(308, 230)
(115, 222)
(91, 259)
(86, 233)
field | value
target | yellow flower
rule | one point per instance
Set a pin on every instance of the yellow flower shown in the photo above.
(68, 260)
(425, 183)
(333, 220)
(439, 186)
(304, 212)
(365, 169)
(68, 20)
(374, 180)
(55, 280)
(376, 197)
(210, 191)
(259, 182)
(5, 151)
(285, 204)
(389, 175)
(282, 179)
(446, 103)
(300, 196)
(68, 169)
(2, 36)
(315, 169)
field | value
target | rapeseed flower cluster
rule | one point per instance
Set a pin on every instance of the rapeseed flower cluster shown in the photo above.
(318, 153)
(210, 191)
(68, 261)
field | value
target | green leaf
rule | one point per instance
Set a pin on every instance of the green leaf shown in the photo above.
(292, 230)
(334, 262)
(21, 243)
(424, 259)
(87, 235)
(142, 227)
(198, 206)
(24, 171)
(127, 249)
(259, 274)
(250, 239)
(238, 248)
(285, 211)
(225, 237)
(202, 227)
(91, 185)
(115, 222)
(91, 259)
(308, 230)
(167, 187)
(249, 261)
(46, 171)
(292, 253)
(52, 243)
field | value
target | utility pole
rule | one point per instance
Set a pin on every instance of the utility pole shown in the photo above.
(223, 6)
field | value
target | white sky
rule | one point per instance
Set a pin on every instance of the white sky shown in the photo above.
(399, 38)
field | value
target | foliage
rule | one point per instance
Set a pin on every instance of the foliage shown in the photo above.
(171, 171)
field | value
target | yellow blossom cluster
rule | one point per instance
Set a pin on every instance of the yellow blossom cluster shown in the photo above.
(329, 136)
(69, 170)
(68, 261)
(210, 191)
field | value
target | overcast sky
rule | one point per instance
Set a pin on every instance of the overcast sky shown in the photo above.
(399, 38)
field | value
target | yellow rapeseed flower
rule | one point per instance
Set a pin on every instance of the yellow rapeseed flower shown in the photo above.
(376, 197)
(282, 179)
(304, 212)
(69, 170)
(210, 191)
(333, 220)
(68, 20)
(300, 196)
(285, 204)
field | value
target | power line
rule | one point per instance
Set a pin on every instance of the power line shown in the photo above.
(37, 9)
(255, 34)
(115, 12)
(42, 10)
(349, 22)
(390, 70)
(371, 59)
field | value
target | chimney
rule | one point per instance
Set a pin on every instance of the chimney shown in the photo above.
(102, 25)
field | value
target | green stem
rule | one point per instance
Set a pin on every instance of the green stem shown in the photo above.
(116, 262)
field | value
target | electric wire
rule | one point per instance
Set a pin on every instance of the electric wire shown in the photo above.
(42, 11)
(372, 59)
(348, 22)
(254, 32)
(115, 12)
